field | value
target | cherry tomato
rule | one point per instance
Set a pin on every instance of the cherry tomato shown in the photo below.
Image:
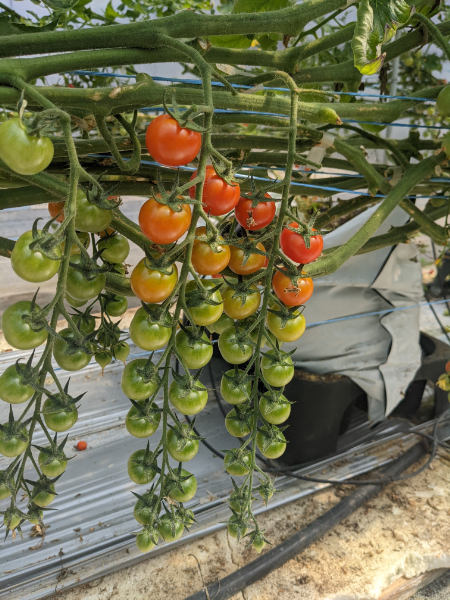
(151, 285)
(165, 529)
(149, 335)
(162, 225)
(137, 470)
(276, 448)
(221, 324)
(293, 329)
(121, 351)
(11, 520)
(81, 445)
(23, 153)
(442, 102)
(230, 348)
(143, 509)
(144, 541)
(204, 260)
(32, 265)
(288, 293)
(117, 306)
(74, 302)
(59, 420)
(277, 374)
(17, 332)
(205, 314)
(69, 362)
(235, 308)
(12, 389)
(253, 264)
(80, 288)
(254, 218)
(273, 411)
(447, 366)
(115, 249)
(234, 530)
(85, 323)
(51, 466)
(83, 237)
(232, 392)
(188, 402)
(135, 384)
(90, 217)
(218, 197)
(12, 446)
(196, 356)
(189, 488)
(234, 467)
(56, 209)
(235, 427)
(139, 425)
(43, 498)
(294, 246)
(181, 449)
(170, 144)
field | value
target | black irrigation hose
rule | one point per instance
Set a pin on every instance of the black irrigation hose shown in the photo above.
(276, 557)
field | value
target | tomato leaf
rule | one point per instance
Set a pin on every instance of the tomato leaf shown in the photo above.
(376, 23)
(60, 5)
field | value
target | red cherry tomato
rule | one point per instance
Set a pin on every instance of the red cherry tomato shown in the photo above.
(170, 144)
(218, 196)
(288, 293)
(56, 208)
(162, 225)
(447, 366)
(82, 445)
(254, 218)
(293, 245)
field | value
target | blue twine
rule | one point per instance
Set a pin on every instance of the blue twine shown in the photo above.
(293, 183)
(248, 87)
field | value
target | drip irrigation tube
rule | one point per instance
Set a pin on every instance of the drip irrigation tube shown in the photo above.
(276, 557)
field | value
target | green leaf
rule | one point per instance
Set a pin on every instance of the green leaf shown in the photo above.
(231, 41)
(376, 23)
(60, 5)
(252, 6)
(9, 26)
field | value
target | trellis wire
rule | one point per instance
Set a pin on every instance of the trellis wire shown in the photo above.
(248, 87)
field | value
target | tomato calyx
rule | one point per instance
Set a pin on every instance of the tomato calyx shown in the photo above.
(174, 480)
(188, 383)
(149, 371)
(101, 198)
(202, 295)
(248, 247)
(237, 457)
(186, 117)
(242, 289)
(150, 532)
(145, 409)
(273, 399)
(240, 337)
(87, 265)
(194, 337)
(36, 318)
(157, 314)
(238, 524)
(7, 481)
(286, 314)
(239, 379)
(271, 434)
(239, 499)
(266, 489)
(213, 238)
(257, 194)
(159, 262)
(13, 518)
(28, 375)
(147, 462)
(108, 334)
(277, 357)
(147, 507)
(43, 484)
(256, 539)
(174, 200)
(54, 452)
(46, 242)
(62, 402)
(184, 433)
(242, 415)
(15, 429)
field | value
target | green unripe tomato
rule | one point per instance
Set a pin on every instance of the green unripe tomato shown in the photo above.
(43, 499)
(115, 249)
(443, 102)
(33, 265)
(90, 217)
(12, 389)
(25, 154)
(144, 542)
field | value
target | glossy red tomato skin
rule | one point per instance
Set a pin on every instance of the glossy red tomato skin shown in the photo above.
(150, 285)
(218, 197)
(170, 144)
(162, 225)
(282, 287)
(254, 218)
(293, 245)
(56, 208)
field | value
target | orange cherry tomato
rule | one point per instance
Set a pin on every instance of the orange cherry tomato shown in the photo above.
(218, 197)
(253, 264)
(107, 231)
(56, 208)
(170, 144)
(204, 260)
(151, 285)
(162, 225)
(289, 294)
(82, 445)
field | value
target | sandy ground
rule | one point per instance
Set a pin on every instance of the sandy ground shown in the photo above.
(405, 531)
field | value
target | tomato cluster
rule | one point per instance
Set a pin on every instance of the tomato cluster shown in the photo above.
(230, 260)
